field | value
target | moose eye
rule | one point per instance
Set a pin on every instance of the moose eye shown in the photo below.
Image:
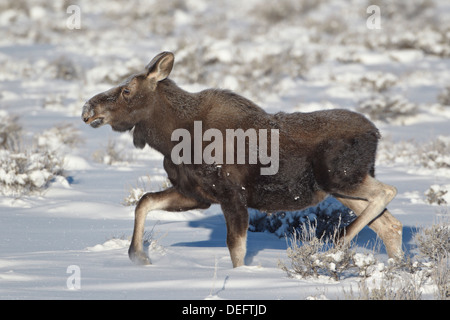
(126, 91)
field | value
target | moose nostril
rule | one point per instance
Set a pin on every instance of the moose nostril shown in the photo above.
(85, 116)
(87, 112)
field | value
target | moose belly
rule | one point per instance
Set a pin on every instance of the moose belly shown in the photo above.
(285, 190)
(295, 193)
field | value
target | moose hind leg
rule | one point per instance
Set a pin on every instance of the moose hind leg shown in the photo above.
(378, 195)
(169, 200)
(386, 226)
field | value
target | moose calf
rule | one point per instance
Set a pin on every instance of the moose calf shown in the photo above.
(313, 155)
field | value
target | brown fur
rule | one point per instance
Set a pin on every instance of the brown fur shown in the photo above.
(320, 153)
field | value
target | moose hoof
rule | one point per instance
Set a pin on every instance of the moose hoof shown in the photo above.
(139, 257)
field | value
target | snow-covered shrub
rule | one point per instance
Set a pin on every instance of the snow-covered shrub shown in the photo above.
(437, 194)
(303, 252)
(434, 154)
(441, 278)
(27, 172)
(386, 108)
(60, 138)
(285, 10)
(410, 26)
(429, 41)
(404, 280)
(112, 71)
(433, 42)
(434, 246)
(402, 287)
(375, 81)
(404, 10)
(110, 155)
(143, 186)
(35, 21)
(64, 68)
(158, 16)
(193, 62)
(444, 97)
(10, 132)
(53, 102)
(269, 72)
(133, 196)
(29, 169)
(365, 263)
(311, 256)
(434, 241)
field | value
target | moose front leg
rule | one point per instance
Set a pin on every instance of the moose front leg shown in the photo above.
(168, 200)
(236, 217)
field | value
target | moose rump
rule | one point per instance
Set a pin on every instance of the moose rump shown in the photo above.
(316, 158)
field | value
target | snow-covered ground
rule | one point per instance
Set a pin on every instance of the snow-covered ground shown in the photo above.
(68, 239)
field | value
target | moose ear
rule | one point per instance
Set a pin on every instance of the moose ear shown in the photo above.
(160, 66)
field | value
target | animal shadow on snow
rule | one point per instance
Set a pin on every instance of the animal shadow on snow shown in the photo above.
(258, 241)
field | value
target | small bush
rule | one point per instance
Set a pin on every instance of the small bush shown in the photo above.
(64, 68)
(110, 155)
(133, 197)
(376, 82)
(59, 138)
(396, 280)
(311, 256)
(387, 109)
(400, 288)
(10, 132)
(441, 278)
(285, 10)
(144, 186)
(444, 97)
(434, 246)
(438, 195)
(27, 172)
(434, 154)
(135, 193)
(434, 242)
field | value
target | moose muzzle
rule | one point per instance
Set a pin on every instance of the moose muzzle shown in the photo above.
(89, 117)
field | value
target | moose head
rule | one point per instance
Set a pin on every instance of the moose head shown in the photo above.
(125, 105)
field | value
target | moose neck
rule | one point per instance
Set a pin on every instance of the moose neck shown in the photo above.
(173, 108)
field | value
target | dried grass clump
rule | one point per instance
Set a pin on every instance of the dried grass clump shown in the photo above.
(311, 256)
(110, 155)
